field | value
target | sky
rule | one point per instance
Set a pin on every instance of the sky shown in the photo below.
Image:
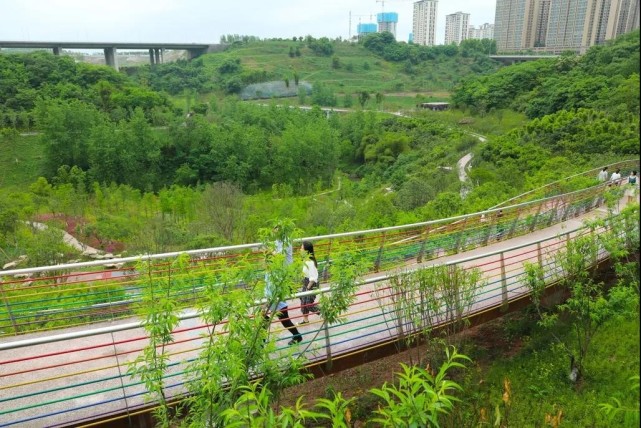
(204, 21)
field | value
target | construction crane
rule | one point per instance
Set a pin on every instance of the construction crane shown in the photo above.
(382, 2)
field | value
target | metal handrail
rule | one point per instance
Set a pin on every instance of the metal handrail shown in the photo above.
(194, 314)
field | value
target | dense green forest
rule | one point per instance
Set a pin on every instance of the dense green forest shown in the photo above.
(123, 166)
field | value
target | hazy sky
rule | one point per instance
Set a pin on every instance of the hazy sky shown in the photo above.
(204, 21)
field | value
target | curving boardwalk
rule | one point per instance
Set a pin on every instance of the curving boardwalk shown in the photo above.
(71, 376)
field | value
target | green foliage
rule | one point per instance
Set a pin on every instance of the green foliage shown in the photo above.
(158, 309)
(346, 268)
(322, 95)
(616, 412)
(547, 86)
(421, 398)
(537, 370)
(588, 306)
(322, 46)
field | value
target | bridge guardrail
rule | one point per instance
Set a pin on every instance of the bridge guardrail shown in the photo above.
(78, 376)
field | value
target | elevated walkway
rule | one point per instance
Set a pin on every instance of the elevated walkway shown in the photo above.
(76, 375)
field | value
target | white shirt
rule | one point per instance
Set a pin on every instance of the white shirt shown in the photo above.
(615, 176)
(603, 175)
(310, 271)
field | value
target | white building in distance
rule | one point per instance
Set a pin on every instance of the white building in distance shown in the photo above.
(456, 26)
(424, 22)
(485, 31)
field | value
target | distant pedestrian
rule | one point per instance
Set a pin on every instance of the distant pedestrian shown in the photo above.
(616, 177)
(310, 281)
(603, 175)
(631, 187)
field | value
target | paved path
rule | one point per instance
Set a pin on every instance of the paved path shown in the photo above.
(69, 240)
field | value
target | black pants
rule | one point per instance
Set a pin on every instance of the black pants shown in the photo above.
(283, 317)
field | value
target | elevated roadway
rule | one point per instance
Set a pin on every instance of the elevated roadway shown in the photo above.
(156, 49)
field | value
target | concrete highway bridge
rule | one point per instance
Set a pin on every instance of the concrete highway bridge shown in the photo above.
(515, 59)
(76, 375)
(156, 50)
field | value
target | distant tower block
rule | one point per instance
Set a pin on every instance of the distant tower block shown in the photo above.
(365, 29)
(387, 22)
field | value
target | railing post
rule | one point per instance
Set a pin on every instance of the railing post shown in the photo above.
(461, 237)
(554, 209)
(510, 232)
(325, 273)
(8, 307)
(377, 263)
(536, 217)
(566, 211)
(539, 256)
(504, 297)
(328, 348)
(421, 251)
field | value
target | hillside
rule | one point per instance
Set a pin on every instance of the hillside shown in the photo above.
(114, 149)
(339, 67)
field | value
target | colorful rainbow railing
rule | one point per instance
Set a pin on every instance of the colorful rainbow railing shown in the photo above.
(67, 334)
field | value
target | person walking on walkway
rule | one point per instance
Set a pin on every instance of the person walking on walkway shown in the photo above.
(280, 308)
(631, 188)
(282, 245)
(603, 175)
(310, 281)
(616, 177)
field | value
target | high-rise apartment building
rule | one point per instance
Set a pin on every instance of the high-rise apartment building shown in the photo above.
(424, 22)
(559, 25)
(387, 22)
(511, 21)
(609, 19)
(485, 31)
(456, 25)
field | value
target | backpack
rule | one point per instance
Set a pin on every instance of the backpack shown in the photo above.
(632, 180)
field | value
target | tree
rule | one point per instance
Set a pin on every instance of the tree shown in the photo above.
(588, 306)
(336, 63)
(65, 127)
(363, 97)
(379, 98)
(222, 209)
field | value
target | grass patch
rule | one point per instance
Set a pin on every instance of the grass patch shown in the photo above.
(538, 375)
(22, 160)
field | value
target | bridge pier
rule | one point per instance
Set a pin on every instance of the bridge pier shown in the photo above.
(57, 50)
(110, 58)
(156, 56)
